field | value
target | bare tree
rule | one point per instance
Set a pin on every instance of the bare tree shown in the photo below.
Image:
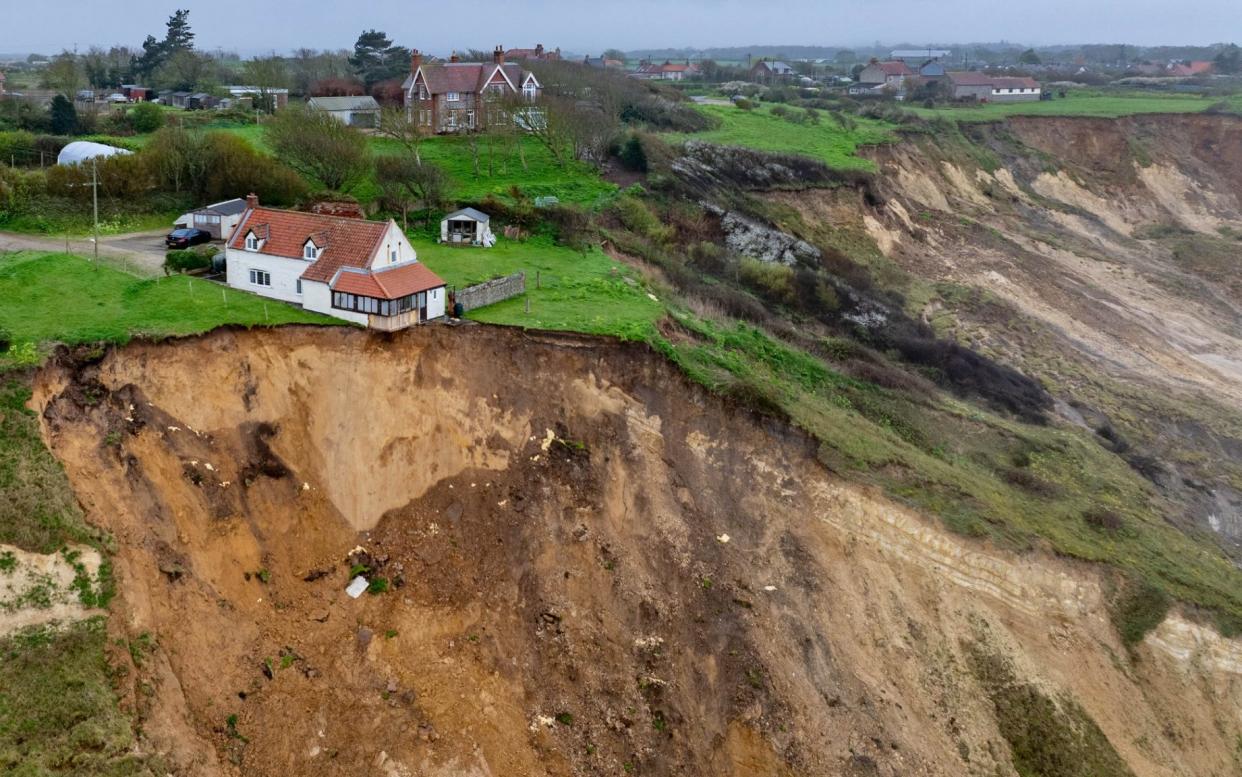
(406, 183)
(396, 124)
(63, 74)
(267, 73)
(319, 146)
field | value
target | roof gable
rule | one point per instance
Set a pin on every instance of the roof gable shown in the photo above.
(343, 242)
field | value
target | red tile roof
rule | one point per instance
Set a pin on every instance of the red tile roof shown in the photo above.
(1008, 82)
(393, 283)
(342, 242)
(894, 68)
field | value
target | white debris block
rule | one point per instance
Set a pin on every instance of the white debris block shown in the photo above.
(723, 539)
(356, 587)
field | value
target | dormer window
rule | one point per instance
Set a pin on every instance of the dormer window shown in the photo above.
(310, 250)
(252, 242)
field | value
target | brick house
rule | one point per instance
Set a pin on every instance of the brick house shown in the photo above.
(770, 71)
(538, 53)
(361, 271)
(459, 96)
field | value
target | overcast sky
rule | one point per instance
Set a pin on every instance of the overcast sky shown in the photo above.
(250, 26)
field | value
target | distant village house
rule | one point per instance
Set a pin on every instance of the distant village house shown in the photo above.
(457, 96)
(985, 88)
(768, 72)
(669, 71)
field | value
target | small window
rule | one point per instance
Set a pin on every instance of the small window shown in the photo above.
(260, 278)
(392, 255)
(252, 242)
(309, 251)
(299, 285)
(452, 97)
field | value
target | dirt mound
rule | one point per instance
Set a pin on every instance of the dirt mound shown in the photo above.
(578, 564)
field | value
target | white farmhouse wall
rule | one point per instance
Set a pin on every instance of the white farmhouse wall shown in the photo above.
(317, 296)
(285, 273)
(435, 303)
(394, 239)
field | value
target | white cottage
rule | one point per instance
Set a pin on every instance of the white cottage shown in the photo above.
(467, 227)
(360, 271)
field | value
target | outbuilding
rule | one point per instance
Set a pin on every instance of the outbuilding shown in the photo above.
(218, 219)
(467, 227)
(81, 151)
(360, 111)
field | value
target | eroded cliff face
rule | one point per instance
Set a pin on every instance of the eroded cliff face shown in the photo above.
(592, 567)
(1098, 255)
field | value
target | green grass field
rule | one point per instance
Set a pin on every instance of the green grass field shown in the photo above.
(64, 298)
(580, 292)
(1075, 103)
(500, 168)
(828, 141)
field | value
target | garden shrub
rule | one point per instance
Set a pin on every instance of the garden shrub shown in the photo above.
(188, 259)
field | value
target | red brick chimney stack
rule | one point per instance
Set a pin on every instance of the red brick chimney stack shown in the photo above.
(416, 60)
(539, 51)
(454, 58)
(498, 56)
(252, 201)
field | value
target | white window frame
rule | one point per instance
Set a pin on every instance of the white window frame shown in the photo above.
(252, 242)
(260, 278)
(452, 97)
(310, 250)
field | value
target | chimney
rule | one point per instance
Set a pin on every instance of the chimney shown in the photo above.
(252, 201)
(498, 56)
(416, 60)
(539, 51)
(454, 57)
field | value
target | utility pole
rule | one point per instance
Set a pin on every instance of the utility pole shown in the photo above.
(95, 203)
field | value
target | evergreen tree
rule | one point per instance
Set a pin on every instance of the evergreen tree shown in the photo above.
(1029, 57)
(64, 115)
(377, 59)
(1229, 60)
(177, 37)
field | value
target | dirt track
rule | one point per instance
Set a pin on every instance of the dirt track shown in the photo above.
(592, 568)
(139, 252)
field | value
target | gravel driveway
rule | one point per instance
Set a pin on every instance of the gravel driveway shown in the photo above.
(139, 252)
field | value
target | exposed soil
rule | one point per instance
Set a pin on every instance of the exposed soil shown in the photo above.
(591, 567)
(1107, 254)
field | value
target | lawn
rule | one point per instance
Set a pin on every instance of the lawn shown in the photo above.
(567, 289)
(829, 141)
(63, 298)
(1076, 103)
(499, 170)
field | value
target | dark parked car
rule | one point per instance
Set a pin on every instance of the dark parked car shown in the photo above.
(184, 238)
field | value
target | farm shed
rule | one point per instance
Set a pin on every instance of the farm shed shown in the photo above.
(467, 226)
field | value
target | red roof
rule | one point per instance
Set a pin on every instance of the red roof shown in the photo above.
(392, 283)
(1013, 82)
(1197, 68)
(342, 242)
(894, 68)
